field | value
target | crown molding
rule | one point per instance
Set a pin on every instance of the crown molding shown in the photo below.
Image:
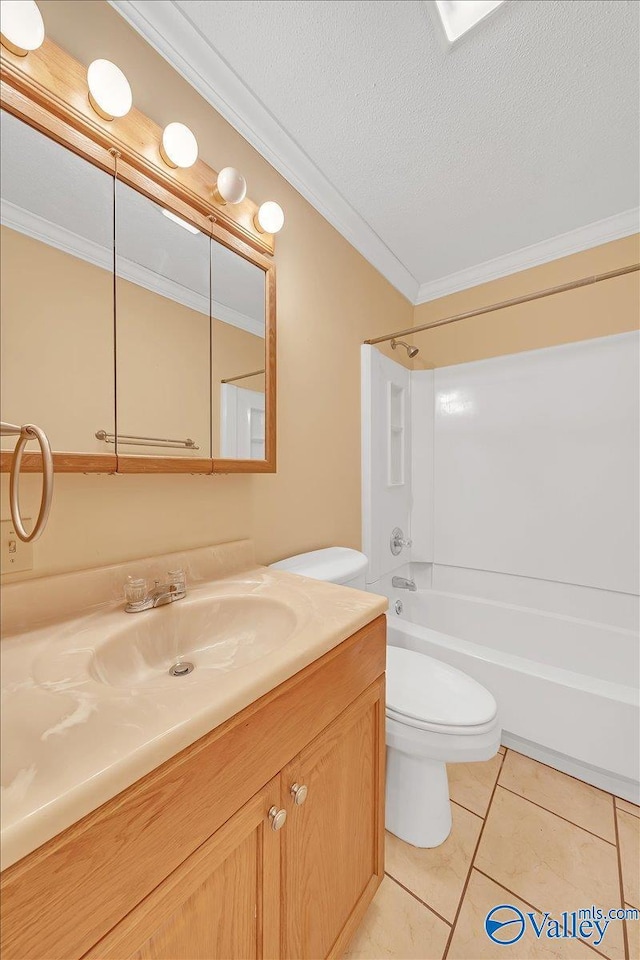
(32, 225)
(563, 245)
(168, 31)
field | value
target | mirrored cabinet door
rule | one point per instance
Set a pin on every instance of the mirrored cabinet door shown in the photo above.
(238, 356)
(163, 332)
(57, 310)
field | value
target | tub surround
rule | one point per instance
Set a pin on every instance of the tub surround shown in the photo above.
(77, 741)
(520, 498)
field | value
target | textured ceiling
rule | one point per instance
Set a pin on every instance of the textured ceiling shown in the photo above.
(526, 129)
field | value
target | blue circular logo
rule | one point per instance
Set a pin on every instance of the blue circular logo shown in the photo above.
(504, 924)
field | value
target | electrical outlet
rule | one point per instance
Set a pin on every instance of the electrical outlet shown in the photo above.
(15, 556)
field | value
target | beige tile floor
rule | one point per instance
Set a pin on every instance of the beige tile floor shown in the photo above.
(523, 834)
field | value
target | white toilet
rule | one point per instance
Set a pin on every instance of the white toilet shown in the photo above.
(335, 565)
(435, 715)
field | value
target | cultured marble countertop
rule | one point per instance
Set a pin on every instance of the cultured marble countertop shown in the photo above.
(71, 741)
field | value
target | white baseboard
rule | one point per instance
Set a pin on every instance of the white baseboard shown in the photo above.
(603, 779)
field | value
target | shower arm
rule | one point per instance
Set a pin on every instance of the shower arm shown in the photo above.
(411, 351)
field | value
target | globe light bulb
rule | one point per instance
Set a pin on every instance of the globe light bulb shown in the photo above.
(21, 26)
(231, 186)
(179, 147)
(109, 90)
(269, 218)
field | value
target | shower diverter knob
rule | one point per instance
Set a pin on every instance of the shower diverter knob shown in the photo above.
(398, 541)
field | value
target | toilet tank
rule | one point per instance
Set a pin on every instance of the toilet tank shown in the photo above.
(334, 564)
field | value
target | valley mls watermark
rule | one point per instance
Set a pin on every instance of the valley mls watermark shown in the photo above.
(506, 924)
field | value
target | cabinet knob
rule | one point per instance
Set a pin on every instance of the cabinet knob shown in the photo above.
(299, 793)
(277, 818)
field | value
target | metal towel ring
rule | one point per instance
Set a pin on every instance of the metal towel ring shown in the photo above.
(29, 432)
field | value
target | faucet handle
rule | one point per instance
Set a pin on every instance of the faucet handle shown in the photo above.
(398, 541)
(177, 581)
(137, 595)
(136, 590)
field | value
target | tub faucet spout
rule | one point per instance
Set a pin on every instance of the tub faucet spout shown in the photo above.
(401, 583)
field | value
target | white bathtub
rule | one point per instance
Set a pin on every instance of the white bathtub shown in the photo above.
(575, 706)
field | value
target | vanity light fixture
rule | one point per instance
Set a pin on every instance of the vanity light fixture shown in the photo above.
(179, 147)
(231, 186)
(269, 218)
(109, 91)
(181, 223)
(21, 26)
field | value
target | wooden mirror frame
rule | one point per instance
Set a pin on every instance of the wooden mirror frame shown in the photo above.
(47, 89)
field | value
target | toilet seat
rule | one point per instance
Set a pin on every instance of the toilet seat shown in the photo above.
(431, 695)
(444, 729)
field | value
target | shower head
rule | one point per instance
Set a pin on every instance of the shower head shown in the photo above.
(412, 351)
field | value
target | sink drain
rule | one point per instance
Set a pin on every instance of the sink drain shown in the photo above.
(181, 669)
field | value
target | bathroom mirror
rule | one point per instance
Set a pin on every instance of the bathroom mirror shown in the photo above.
(57, 309)
(238, 356)
(138, 311)
(163, 333)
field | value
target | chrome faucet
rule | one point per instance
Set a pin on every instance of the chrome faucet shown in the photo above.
(401, 583)
(398, 541)
(139, 597)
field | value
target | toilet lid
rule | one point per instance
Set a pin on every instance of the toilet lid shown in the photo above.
(426, 689)
(333, 564)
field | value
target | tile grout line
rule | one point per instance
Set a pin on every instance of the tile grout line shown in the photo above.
(480, 816)
(584, 783)
(625, 934)
(616, 844)
(517, 896)
(571, 776)
(473, 858)
(415, 896)
(607, 793)
(630, 813)
(558, 815)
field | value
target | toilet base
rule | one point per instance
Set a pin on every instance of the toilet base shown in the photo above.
(417, 792)
(418, 810)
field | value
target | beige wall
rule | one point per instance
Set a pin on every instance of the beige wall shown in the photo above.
(329, 300)
(163, 370)
(604, 308)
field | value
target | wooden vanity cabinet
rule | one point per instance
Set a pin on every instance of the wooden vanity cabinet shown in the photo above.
(222, 902)
(265, 839)
(332, 844)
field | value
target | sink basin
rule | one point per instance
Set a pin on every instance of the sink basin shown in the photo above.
(219, 634)
(216, 634)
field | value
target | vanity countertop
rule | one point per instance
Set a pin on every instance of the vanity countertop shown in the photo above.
(72, 741)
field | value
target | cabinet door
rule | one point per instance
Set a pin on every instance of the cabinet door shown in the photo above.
(333, 843)
(222, 903)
